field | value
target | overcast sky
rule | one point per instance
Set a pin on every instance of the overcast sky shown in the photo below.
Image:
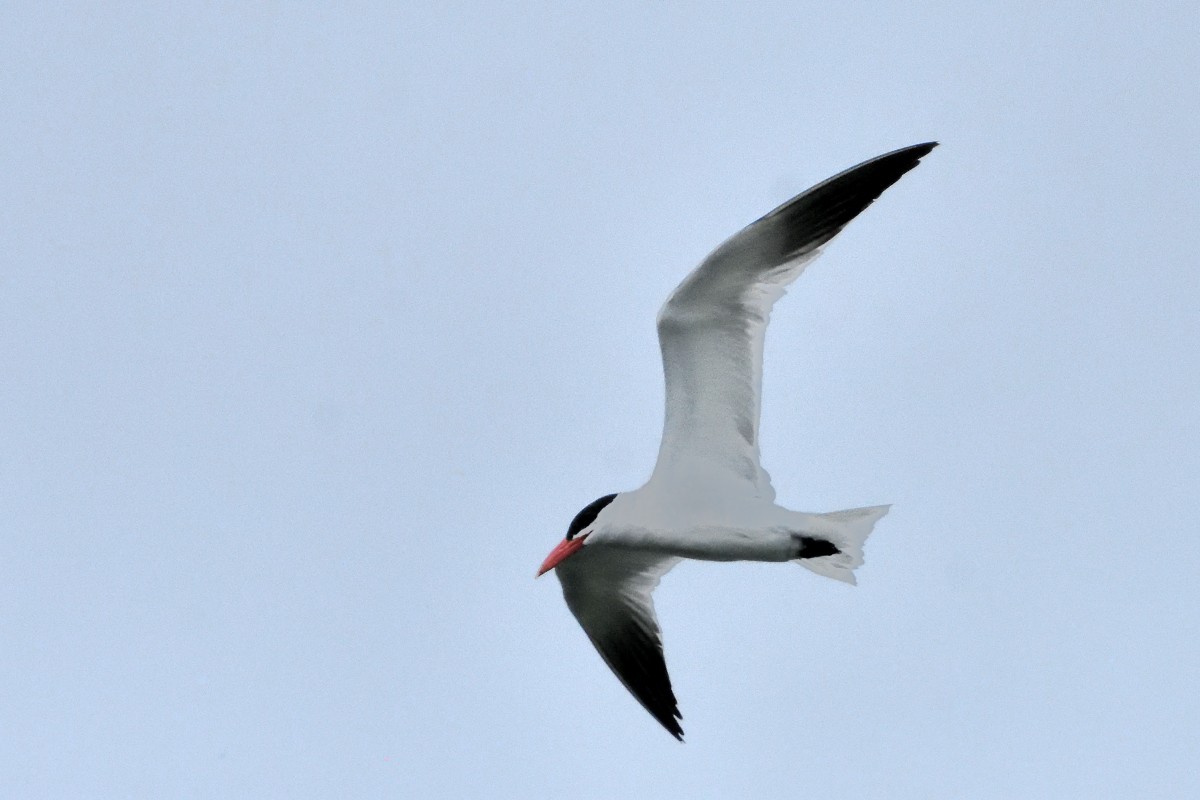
(320, 323)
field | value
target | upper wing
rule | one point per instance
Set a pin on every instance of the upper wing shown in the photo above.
(712, 326)
(608, 591)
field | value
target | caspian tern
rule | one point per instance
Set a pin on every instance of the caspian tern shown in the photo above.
(708, 497)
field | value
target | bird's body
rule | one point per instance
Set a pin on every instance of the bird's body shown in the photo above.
(709, 497)
(705, 526)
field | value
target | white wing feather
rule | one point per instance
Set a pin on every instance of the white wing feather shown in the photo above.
(712, 327)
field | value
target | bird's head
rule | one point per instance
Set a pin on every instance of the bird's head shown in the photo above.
(577, 534)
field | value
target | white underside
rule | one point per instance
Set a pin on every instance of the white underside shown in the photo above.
(716, 526)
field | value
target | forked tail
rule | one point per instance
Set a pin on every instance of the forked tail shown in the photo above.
(850, 530)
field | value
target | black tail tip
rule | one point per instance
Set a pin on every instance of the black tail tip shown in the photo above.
(816, 548)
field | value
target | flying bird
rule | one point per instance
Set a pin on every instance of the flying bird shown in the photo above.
(709, 497)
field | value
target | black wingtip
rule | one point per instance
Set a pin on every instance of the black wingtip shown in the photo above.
(672, 725)
(917, 151)
(634, 654)
(668, 716)
(922, 149)
(878, 173)
(812, 218)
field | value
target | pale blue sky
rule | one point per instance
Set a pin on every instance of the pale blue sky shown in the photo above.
(321, 322)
